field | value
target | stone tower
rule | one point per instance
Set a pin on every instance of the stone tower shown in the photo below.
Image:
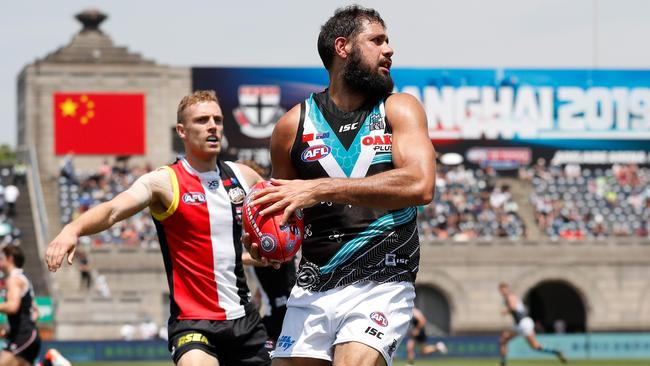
(92, 63)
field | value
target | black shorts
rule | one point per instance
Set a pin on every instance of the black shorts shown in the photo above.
(241, 341)
(421, 337)
(273, 322)
(26, 345)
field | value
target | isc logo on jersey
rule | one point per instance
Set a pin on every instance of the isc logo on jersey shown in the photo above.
(314, 153)
(382, 143)
(193, 198)
(349, 127)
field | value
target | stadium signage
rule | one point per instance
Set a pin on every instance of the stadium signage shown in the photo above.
(500, 158)
(527, 112)
(545, 110)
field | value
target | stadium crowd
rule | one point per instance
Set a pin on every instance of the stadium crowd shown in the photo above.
(11, 177)
(574, 202)
(80, 191)
(570, 202)
(469, 205)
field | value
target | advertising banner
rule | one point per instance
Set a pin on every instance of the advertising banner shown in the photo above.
(500, 117)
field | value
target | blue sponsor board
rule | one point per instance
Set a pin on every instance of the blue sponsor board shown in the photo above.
(83, 351)
(588, 346)
(575, 346)
(460, 346)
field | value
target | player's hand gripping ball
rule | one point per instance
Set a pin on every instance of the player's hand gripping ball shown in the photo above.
(276, 242)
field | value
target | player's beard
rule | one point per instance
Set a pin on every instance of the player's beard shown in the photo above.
(365, 80)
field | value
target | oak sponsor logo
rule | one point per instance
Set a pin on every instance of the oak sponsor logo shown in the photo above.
(382, 143)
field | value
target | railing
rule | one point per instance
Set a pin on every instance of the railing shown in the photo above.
(27, 155)
(616, 241)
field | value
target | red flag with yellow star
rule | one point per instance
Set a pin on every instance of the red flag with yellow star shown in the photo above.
(98, 123)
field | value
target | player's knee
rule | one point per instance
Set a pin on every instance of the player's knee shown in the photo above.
(197, 357)
(357, 354)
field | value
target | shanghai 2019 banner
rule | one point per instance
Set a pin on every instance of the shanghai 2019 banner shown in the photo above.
(513, 115)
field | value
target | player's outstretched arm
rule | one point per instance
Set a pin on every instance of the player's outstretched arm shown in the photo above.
(411, 183)
(144, 192)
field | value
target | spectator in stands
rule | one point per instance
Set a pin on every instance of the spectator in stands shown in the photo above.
(598, 204)
(467, 206)
(127, 332)
(11, 196)
(85, 270)
(67, 169)
(20, 173)
(148, 328)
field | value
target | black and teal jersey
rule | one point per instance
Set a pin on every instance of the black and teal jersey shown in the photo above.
(345, 244)
(519, 312)
(21, 323)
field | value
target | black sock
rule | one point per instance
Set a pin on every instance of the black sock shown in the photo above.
(548, 350)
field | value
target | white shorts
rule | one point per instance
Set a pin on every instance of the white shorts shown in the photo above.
(525, 327)
(371, 313)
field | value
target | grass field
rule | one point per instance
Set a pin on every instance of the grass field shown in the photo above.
(442, 362)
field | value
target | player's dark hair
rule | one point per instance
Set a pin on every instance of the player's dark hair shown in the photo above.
(16, 253)
(346, 22)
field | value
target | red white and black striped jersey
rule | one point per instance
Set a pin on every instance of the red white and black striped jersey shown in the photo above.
(200, 241)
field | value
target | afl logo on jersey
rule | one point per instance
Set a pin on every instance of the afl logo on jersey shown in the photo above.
(379, 318)
(193, 198)
(314, 153)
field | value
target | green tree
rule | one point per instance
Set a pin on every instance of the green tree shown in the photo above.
(7, 154)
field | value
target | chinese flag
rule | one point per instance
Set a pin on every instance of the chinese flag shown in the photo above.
(93, 123)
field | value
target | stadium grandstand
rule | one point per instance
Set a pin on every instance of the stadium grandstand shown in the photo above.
(561, 214)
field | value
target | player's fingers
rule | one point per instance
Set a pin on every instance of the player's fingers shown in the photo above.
(264, 192)
(48, 257)
(246, 240)
(51, 257)
(71, 254)
(56, 258)
(279, 182)
(277, 206)
(288, 211)
(261, 201)
(254, 252)
(276, 264)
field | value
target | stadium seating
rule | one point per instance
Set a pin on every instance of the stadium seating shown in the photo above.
(574, 203)
(469, 204)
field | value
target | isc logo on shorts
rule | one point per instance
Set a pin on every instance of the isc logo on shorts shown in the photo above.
(379, 318)
(193, 198)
